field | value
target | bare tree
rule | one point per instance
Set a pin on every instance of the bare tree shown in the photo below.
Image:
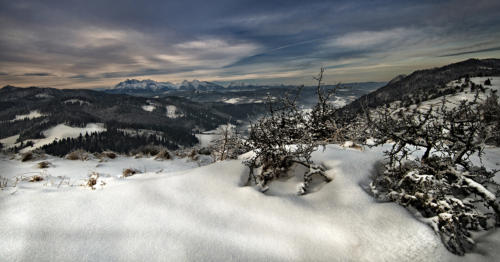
(228, 143)
(284, 138)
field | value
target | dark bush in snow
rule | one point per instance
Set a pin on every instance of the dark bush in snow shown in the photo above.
(443, 186)
(26, 156)
(285, 137)
(78, 155)
(163, 155)
(129, 172)
(43, 164)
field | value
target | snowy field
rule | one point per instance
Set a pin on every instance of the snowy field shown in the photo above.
(59, 131)
(175, 212)
(30, 115)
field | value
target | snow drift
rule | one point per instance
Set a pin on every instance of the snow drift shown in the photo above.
(203, 214)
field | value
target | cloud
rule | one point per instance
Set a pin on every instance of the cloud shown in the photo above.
(366, 39)
(38, 74)
(497, 48)
(95, 42)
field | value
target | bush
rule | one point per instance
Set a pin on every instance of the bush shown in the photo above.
(228, 144)
(78, 155)
(36, 178)
(443, 186)
(92, 181)
(163, 155)
(193, 155)
(26, 156)
(109, 154)
(43, 164)
(129, 172)
(287, 136)
(3, 182)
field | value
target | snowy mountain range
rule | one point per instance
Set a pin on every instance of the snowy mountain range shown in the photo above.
(148, 84)
(152, 86)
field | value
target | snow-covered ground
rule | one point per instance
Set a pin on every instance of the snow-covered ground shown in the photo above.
(56, 132)
(76, 101)
(205, 214)
(242, 100)
(64, 131)
(173, 112)
(148, 108)
(30, 115)
(467, 94)
(9, 141)
(207, 138)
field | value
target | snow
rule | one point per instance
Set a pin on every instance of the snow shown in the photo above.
(205, 140)
(64, 131)
(43, 95)
(234, 100)
(204, 214)
(9, 141)
(172, 112)
(495, 82)
(76, 170)
(31, 115)
(76, 101)
(148, 108)
(481, 189)
(454, 100)
(242, 100)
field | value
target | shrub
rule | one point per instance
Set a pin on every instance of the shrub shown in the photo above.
(129, 172)
(36, 178)
(43, 164)
(287, 136)
(92, 181)
(78, 155)
(443, 186)
(204, 151)
(228, 144)
(26, 156)
(3, 182)
(163, 155)
(109, 154)
(193, 155)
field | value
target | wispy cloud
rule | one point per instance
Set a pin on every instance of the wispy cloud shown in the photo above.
(381, 39)
(38, 74)
(472, 52)
(98, 43)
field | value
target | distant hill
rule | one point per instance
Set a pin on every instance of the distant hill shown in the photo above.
(174, 118)
(423, 84)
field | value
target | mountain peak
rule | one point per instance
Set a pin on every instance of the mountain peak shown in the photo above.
(147, 85)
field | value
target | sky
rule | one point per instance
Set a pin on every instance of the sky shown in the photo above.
(98, 43)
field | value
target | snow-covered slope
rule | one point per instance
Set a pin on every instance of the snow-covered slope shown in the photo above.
(58, 132)
(453, 100)
(31, 115)
(204, 214)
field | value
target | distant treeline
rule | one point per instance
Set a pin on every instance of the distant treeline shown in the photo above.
(111, 139)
